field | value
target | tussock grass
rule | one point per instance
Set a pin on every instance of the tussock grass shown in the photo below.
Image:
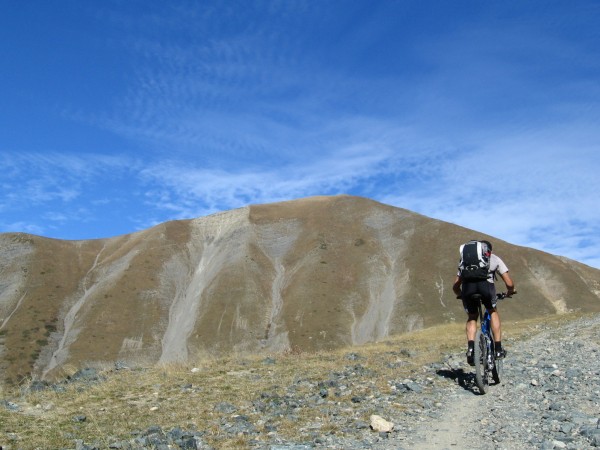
(175, 396)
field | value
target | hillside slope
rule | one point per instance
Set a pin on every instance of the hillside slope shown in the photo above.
(308, 274)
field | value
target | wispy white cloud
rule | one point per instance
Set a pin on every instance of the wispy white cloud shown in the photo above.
(536, 189)
(191, 190)
(23, 227)
(233, 92)
(34, 179)
(52, 188)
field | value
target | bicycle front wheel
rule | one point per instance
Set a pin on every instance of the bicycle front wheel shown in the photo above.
(497, 370)
(481, 369)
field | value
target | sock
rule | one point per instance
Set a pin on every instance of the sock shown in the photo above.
(498, 345)
(471, 345)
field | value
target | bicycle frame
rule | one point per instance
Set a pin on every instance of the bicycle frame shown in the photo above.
(485, 320)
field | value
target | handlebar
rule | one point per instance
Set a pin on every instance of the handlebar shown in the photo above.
(499, 296)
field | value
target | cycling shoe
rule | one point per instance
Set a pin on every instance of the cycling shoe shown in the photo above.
(470, 357)
(500, 354)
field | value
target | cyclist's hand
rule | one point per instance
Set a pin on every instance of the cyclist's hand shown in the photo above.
(511, 292)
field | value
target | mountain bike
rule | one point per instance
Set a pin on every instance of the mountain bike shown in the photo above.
(487, 367)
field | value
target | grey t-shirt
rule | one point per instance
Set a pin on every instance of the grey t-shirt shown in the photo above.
(496, 264)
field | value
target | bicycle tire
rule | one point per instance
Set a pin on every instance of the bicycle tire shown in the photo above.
(498, 367)
(497, 371)
(480, 356)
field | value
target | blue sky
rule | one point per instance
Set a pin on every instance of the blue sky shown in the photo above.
(118, 115)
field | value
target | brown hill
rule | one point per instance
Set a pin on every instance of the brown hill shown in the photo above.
(303, 275)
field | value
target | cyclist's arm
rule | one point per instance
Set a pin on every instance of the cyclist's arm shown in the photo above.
(456, 286)
(510, 286)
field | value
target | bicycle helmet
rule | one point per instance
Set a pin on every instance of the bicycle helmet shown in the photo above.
(489, 245)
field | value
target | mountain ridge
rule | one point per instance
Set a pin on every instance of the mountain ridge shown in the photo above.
(302, 275)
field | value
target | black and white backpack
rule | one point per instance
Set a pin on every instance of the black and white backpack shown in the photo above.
(474, 261)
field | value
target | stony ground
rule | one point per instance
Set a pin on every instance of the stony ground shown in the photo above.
(549, 399)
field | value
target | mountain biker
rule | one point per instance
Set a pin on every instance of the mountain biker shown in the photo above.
(487, 289)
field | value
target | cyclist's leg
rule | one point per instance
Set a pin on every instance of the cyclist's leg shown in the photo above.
(495, 316)
(471, 327)
(497, 332)
(488, 298)
(496, 325)
(471, 308)
(495, 322)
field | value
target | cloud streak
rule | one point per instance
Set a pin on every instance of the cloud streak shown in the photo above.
(537, 189)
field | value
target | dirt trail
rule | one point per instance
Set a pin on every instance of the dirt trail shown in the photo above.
(548, 398)
(453, 429)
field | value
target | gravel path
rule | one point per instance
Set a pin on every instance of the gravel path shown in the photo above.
(549, 398)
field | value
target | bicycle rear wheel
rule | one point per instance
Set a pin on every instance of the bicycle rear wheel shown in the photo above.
(481, 369)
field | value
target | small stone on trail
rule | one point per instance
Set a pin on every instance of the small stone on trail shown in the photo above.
(381, 425)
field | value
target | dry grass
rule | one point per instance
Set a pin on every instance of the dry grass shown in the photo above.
(130, 400)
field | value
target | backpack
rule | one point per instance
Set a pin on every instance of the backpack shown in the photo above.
(474, 261)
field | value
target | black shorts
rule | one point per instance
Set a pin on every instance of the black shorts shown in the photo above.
(487, 291)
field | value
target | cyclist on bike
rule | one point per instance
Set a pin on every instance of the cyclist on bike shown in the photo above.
(487, 290)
